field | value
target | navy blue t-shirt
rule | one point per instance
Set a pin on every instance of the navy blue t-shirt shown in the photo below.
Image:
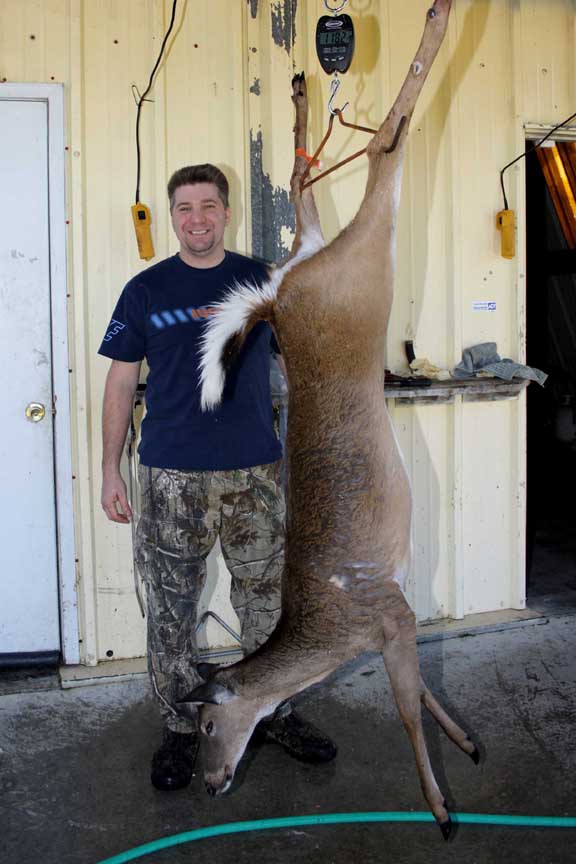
(160, 317)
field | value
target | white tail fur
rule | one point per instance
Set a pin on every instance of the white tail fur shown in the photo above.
(232, 314)
(245, 300)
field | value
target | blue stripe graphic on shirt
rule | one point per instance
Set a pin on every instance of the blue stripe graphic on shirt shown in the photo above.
(170, 317)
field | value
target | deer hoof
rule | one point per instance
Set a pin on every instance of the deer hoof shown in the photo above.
(446, 829)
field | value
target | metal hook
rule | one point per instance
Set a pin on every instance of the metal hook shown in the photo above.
(334, 87)
(338, 8)
(137, 95)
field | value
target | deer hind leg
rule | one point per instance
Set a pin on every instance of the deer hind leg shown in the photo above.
(452, 730)
(401, 660)
(385, 150)
(308, 227)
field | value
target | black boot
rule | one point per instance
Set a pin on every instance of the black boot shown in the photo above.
(173, 762)
(300, 739)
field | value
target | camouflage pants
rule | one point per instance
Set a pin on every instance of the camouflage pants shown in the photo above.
(182, 514)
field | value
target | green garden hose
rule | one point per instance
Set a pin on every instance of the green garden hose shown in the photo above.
(336, 819)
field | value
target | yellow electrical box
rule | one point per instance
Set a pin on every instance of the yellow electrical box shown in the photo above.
(505, 224)
(142, 221)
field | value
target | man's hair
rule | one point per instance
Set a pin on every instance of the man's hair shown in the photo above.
(192, 174)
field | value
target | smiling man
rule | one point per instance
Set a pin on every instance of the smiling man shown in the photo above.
(199, 218)
(202, 475)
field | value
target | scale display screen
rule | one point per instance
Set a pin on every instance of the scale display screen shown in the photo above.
(335, 42)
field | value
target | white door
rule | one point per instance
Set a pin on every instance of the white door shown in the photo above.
(29, 608)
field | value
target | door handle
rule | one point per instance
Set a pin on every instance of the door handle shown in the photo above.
(35, 412)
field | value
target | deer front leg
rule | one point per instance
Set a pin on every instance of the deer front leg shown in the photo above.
(307, 219)
(401, 660)
(452, 730)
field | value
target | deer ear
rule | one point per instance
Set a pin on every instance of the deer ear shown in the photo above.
(207, 670)
(210, 692)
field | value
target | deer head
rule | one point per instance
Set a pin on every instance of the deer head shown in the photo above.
(227, 720)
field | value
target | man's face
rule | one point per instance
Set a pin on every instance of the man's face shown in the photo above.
(199, 219)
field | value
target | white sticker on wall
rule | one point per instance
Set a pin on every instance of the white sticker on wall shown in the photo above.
(484, 305)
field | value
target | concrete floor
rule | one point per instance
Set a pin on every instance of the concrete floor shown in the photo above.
(75, 787)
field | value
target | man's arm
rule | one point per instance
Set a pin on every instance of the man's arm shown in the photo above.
(121, 384)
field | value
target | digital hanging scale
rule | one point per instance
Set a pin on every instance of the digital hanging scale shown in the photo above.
(335, 42)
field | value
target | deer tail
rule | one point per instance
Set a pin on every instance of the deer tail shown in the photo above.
(225, 332)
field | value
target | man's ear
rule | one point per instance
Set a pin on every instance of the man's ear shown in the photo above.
(228, 215)
(211, 692)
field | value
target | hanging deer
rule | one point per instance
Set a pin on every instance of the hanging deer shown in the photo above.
(347, 549)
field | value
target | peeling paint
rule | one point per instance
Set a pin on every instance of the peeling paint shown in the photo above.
(272, 212)
(283, 14)
(255, 88)
(253, 7)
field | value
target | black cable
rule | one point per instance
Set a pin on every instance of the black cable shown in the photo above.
(530, 149)
(142, 98)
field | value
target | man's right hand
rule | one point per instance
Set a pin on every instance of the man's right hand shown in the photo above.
(121, 383)
(115, 498)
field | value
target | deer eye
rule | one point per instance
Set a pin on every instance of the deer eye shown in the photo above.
(208, 728)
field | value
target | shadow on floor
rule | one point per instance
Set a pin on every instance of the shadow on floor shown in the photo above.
(76, 787)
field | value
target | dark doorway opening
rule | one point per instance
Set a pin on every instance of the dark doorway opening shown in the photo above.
(551, 410)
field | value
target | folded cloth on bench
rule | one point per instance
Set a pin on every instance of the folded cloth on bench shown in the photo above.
(484, 358)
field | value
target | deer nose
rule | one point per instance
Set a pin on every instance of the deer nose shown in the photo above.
(214, 791)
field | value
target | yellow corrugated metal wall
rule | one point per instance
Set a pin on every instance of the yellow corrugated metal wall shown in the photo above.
(223, 96)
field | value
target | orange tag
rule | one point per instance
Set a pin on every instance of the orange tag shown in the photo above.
(301, 152)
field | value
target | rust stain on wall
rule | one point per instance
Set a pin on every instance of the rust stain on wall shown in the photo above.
(271, 209)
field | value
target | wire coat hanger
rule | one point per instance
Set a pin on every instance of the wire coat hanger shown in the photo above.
(334, 112)
(337, 112)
